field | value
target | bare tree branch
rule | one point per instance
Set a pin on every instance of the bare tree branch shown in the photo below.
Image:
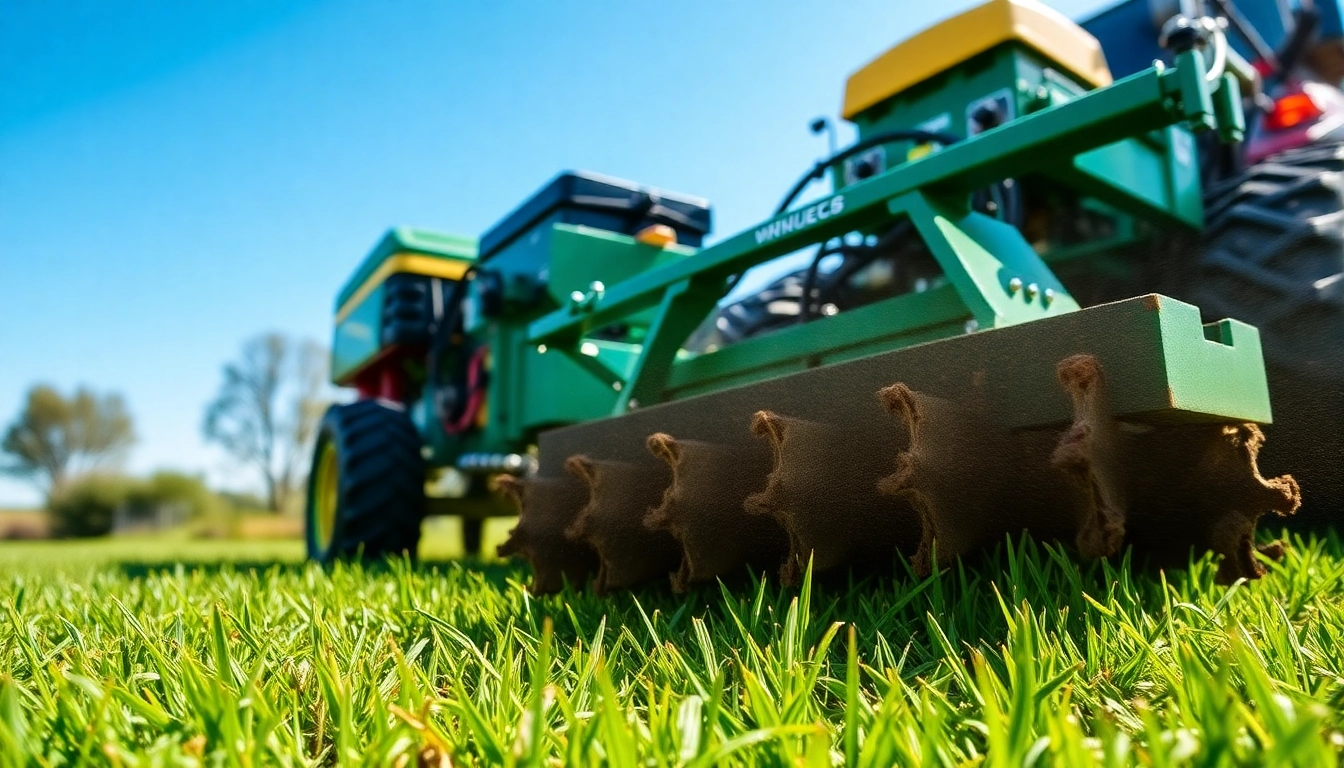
(267, 410)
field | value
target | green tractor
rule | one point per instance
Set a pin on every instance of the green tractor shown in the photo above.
(998, 327)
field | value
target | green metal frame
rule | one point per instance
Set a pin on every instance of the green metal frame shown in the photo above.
(357, 334)
(549, 368)
(1153, 177)
(996, 279)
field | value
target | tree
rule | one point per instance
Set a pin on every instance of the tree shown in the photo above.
(268, 409)
(56, 438)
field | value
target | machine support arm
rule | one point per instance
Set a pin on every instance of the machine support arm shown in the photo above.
(1142, 102)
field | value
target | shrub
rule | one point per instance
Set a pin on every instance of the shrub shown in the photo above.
(167, 487)
(242, 501)
(88, 506)
(92, 505)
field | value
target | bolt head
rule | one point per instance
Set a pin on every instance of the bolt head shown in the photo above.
(1015, 285)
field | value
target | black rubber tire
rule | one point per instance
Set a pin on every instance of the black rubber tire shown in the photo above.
(1272, 255)
(380, 483)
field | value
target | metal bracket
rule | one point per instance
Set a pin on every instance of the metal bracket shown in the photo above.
(996, 273)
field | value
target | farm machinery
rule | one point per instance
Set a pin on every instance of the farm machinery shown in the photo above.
(1042, 294)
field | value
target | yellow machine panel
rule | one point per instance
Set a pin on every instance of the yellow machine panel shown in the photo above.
(951, 42)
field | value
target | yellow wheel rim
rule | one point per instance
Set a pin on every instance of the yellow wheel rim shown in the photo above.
(325, 496)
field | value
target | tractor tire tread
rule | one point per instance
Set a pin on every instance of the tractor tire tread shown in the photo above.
(382, 502)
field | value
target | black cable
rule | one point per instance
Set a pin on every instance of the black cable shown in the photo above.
(440, 339)
(1306, 20)
(819, 169)
(1006, 195)
(859, 257)
(1012, 208)
(810, 279)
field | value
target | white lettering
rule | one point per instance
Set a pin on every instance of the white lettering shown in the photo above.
(800, 219)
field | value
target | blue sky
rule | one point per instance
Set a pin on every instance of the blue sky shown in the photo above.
(176, 177)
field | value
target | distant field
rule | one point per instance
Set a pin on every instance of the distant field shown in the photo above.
(169, 651)
(442, 541)
(22, 523)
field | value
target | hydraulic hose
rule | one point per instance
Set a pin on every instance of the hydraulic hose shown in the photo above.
(859, 256)
(819, 169)
(439, 340)
(1306, 20)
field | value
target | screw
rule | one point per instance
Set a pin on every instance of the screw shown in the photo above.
(632, 405)
(972, 325)
(616, 385)
(1049, 296)
(1032, 290)
(1015, 285)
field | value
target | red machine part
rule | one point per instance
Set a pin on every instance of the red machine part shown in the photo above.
(384, 378)
(1292, 109)
(475, 394)
(1304, 112)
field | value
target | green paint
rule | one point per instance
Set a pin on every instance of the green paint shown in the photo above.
(1122, 149)
(878, 327)
(407, 240)
(358, 337)
(998, 277)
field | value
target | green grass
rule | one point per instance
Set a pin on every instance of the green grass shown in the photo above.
(112, 653)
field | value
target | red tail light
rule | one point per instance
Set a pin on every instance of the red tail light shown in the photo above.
(1290, 110)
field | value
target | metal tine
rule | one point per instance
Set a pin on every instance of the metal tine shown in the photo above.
(703, 507)
(970, 480)
(1168, 488)
(822, 490)
(611, 522)
(546, 507)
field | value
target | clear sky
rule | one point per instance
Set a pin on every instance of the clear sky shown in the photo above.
(176, 177)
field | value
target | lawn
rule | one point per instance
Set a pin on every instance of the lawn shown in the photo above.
(173, 652)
